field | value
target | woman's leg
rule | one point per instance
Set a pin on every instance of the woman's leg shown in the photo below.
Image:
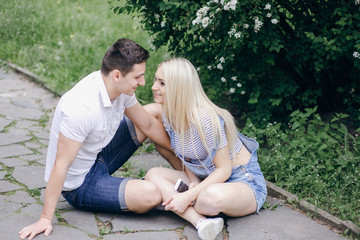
(141, 196)
(234, 199)
(165, 180)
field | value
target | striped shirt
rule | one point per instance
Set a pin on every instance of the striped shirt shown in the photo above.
(193, 146)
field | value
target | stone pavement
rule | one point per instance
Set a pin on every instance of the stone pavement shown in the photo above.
(25, 116)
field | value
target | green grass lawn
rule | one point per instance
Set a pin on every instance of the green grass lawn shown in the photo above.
(64, 40)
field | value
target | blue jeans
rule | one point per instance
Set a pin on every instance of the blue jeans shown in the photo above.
(100, 191)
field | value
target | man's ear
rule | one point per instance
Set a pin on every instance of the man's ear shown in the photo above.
(116, 75)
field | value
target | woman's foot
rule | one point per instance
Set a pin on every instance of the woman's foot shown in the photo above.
(209, 228)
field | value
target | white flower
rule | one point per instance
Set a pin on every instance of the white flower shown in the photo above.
(205, 22)
(274, 21)
(268, 15)
(357, 2)
(234, 78)
(209, 67)
(232, 31)
(258, 24)
(162, 24)
(216, 1)
(242, 92)
(60, 43)
(237, 35)
(219, 66)
(222, 59)
(223, 79)
(222, 2)
(157, 16)
(356, 54)
(239, 85)
(202, 12)
(232, 90)
(218, 10)
(267, 6)
(230, 5)
(246, 26)
(196, 21)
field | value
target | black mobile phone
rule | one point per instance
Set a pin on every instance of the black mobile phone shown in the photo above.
(180, 186)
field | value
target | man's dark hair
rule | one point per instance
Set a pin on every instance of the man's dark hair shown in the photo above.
(123, 55)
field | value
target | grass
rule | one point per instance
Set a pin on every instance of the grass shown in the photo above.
(64, 40)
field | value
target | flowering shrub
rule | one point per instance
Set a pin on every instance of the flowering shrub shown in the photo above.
(267, 57)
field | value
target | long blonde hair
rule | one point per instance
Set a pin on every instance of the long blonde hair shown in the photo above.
(185, 97)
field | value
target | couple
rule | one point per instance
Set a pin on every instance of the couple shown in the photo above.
(91, 138)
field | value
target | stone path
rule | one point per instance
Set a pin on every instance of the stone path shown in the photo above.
(25, 116)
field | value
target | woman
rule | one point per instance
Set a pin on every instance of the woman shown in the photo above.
(221, 165)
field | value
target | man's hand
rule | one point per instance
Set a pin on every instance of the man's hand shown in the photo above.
(43, 225)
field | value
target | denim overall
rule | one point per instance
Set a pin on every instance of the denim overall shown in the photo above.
(250, 173)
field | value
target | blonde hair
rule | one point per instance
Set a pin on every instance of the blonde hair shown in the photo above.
(185, 97)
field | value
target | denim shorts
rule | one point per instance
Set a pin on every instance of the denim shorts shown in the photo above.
(251, 175)
(100, 191)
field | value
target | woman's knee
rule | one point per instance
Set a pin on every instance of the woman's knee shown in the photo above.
(142, 196)
(209, 201)
(153, 174)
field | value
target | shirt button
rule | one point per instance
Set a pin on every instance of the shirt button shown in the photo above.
(246, 174)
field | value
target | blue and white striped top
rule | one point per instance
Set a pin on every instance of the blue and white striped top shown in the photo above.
(193, 147)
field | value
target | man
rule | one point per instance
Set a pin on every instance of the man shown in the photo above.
(90, 139)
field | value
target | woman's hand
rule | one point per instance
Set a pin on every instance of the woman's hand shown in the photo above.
(178, 202)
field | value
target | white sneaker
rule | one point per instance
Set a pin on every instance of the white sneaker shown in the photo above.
(209, 228)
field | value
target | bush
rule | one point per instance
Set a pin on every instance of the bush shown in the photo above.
(316, 160)
(264, 59)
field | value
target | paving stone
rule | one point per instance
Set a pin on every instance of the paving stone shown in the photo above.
(12, 162)
(62, 232)
(168, 235)
(17, 112)
(2, 203)
(21, 197)
(14, 136)
(4, 99)
(32, 157)
(13, 150)
(82, 220)
(43, 151)
(2, 174)
(10, 227)
(10, 209)
(44, 142)
(25, 124)
(31, 176)
(42, 135)
(6, 186)
(149, 221)
(3, 123)
(294, 225)
(32, 145)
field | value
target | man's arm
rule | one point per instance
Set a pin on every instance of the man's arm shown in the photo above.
(66, 152)
(149, 125)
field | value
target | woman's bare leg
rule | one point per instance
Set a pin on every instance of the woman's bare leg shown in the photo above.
(234, 199)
